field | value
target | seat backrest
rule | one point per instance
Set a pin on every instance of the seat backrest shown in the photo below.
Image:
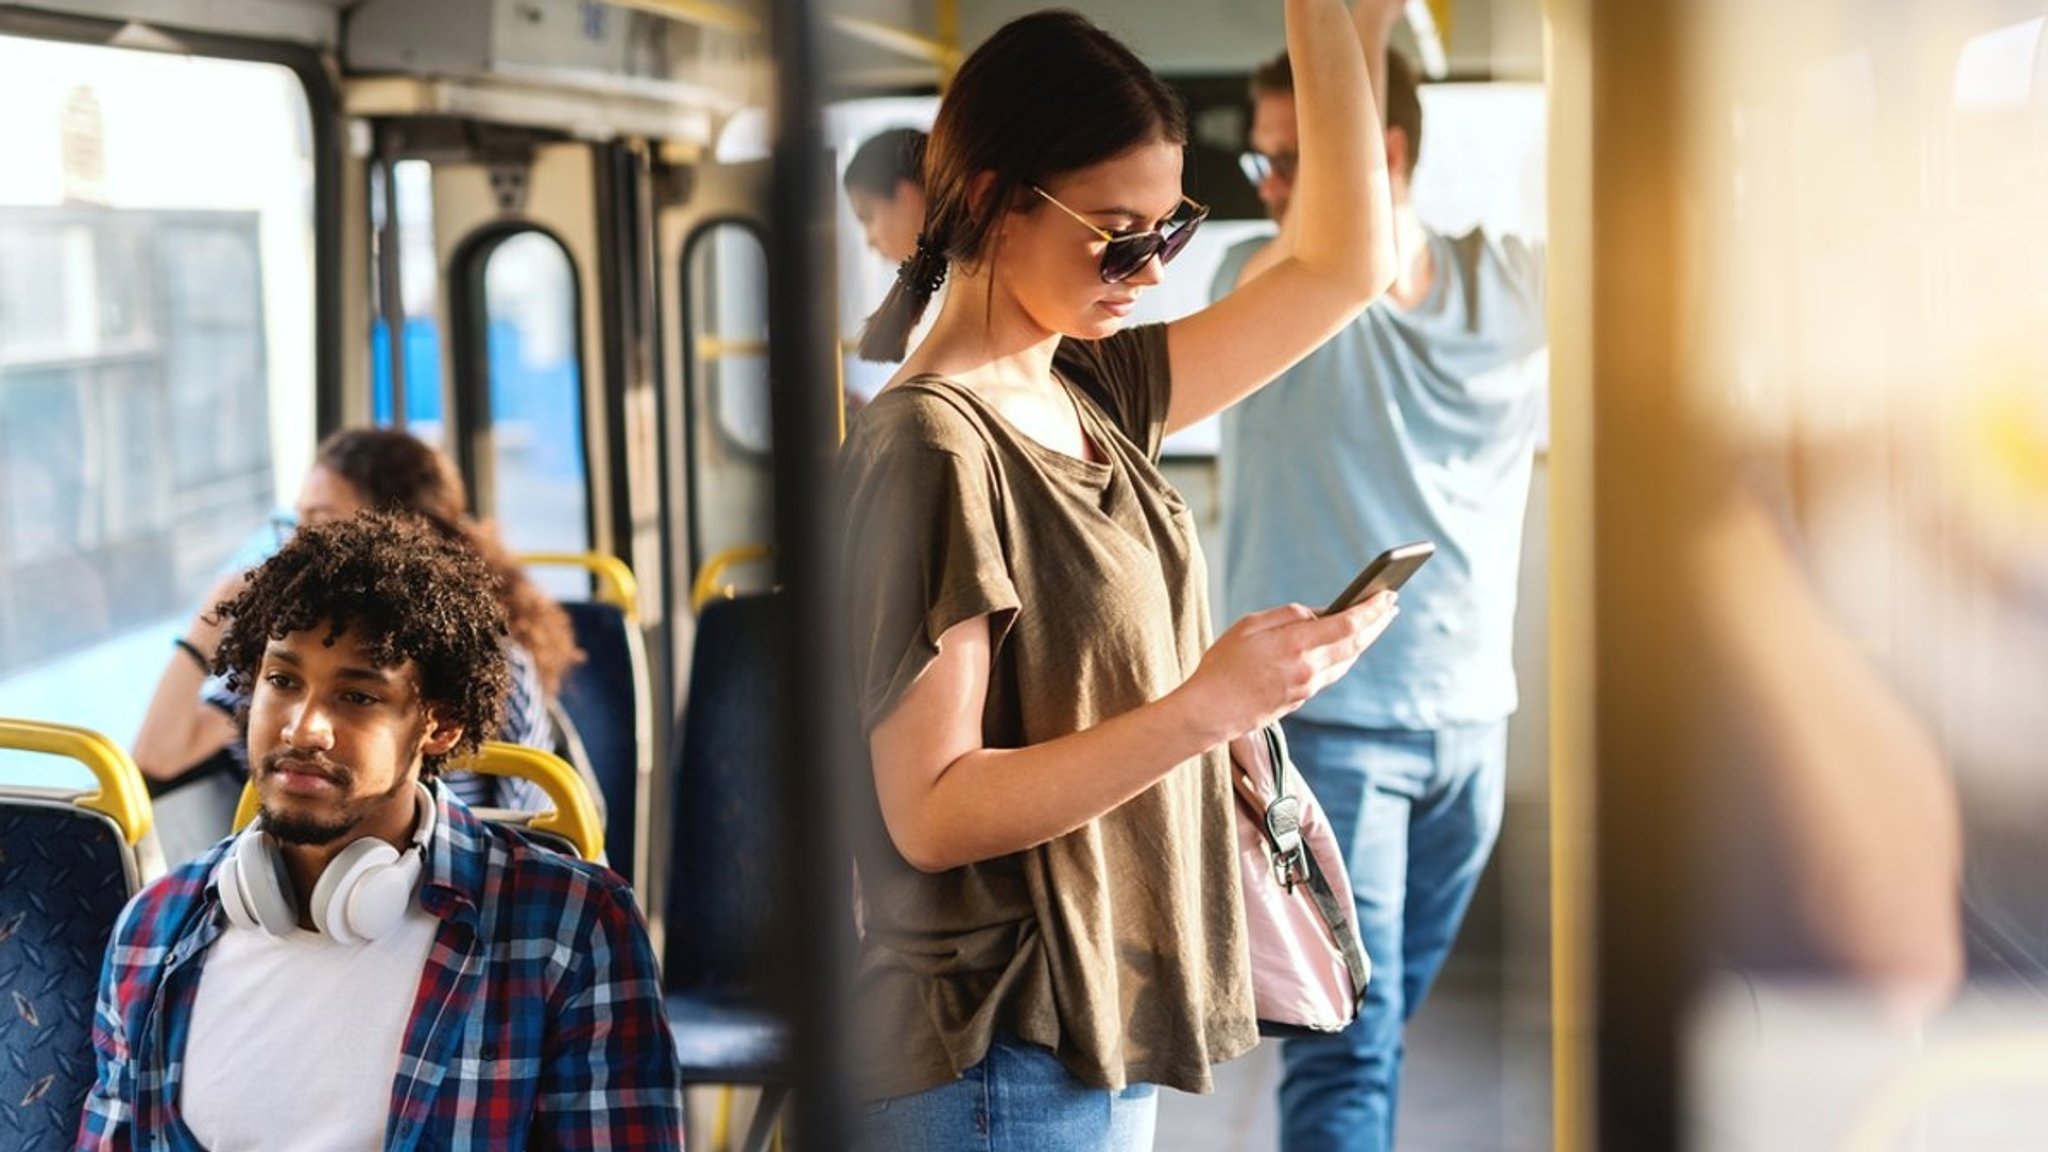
(64, 876)
(606, 697)
(68, 863)
(726, 813)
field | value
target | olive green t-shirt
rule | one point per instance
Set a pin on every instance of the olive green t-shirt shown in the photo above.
(1120, 946)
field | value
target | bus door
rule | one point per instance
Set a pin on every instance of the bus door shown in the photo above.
(493, 272)
(516, 263)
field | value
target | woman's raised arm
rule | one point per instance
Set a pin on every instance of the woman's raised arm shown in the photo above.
(1335, 253)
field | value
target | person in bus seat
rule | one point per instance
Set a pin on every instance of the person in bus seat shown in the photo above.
(369, 964)
(190, 726)
(884, 185)
(1053, 922)
(1417, 422)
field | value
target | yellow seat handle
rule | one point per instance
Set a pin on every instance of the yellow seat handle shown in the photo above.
(122, 795)
(706, 588)
(573, 817)
(616, 583)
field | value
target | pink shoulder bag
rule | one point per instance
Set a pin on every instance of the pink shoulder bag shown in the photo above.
(1309, 967)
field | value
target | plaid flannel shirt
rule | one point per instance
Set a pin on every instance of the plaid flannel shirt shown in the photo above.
(538, 1022)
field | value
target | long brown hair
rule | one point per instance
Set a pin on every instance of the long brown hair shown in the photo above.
(1049, 93)
(395, 471)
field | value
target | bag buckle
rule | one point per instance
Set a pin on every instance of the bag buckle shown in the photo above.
(1283, 830)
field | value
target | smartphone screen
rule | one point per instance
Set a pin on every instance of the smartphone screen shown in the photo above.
(1388, 570)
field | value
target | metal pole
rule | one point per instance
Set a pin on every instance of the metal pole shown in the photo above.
(814, 922)
(1645, 486)
(391, 301)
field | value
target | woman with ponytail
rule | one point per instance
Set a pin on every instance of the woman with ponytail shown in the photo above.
(1053, 924)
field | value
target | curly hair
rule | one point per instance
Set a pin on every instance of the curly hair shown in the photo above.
(394, 471)
(401, 589)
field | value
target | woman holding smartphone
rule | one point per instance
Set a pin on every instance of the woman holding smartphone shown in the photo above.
(1053, 921)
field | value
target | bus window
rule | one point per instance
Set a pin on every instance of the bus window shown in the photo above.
(410, 191)
(538, 471)
(725, 278)
(156, 357)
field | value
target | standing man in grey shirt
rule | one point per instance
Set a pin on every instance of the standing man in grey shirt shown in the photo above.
(1416, 422)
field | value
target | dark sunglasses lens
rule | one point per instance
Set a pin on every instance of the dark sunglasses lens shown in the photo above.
(1125, 257)
(1178, 239)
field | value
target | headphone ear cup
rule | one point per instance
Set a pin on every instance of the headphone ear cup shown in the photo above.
(364, 891)
(254, 890)
(382, 896)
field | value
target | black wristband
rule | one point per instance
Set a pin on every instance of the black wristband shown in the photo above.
(192, 650)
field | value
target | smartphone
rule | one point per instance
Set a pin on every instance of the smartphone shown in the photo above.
(1388, 570)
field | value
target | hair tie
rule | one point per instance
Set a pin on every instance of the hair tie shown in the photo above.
(924, 271)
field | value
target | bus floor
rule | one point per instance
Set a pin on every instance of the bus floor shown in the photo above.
(1477, 1080)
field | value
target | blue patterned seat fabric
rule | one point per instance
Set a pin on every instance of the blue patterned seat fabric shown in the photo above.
(64, 877)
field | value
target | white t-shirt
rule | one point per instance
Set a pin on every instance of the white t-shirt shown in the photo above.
(295, 1040)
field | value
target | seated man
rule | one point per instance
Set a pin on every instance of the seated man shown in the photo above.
(370, 965)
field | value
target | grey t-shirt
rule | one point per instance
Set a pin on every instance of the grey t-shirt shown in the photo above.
(1120, 946)
(1409, 424)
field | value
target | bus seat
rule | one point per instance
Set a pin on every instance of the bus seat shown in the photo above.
(69, 861)
(569, 823)
(723, 839)
(608, 699)
(569, 746)
(708, 586)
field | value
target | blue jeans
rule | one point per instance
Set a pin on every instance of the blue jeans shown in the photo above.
(1418, 813)
(1020, 1098)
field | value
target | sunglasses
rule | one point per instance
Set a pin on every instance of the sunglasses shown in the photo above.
(1258, 167)
(1129, 251)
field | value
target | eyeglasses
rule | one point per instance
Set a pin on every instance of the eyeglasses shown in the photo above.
(1129, 251)
(1259, 167)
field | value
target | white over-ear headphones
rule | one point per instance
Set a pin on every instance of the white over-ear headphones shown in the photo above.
(363, 893)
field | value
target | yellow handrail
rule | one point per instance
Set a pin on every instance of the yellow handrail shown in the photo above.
(245, 808)
(615, 581)
(573, 817)
(122, 794)
(706, 587)
(902, 41)
(699, 12)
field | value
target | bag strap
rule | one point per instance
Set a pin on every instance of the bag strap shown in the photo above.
(1338, 918)
(1280, 818)
(1294, 864)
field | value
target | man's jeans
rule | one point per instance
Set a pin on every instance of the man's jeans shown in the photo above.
(1418, 813)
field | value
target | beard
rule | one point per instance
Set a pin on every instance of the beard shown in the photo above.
(309, 830)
